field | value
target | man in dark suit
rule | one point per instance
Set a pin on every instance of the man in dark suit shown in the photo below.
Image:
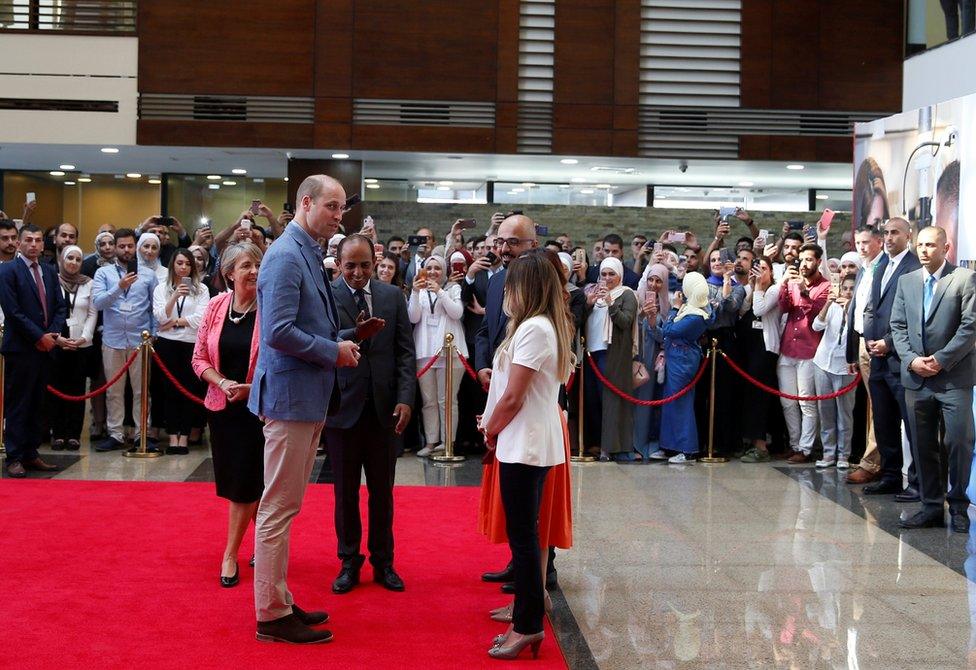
(35, 312)
(887, 393)
(374, 409)
(933, 325)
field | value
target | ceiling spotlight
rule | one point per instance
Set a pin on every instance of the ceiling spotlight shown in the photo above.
(578, 180)
(214, 177)
(518, 190)
(446, 183)
(133, 175)
(84, 179)
(660, 197)
(372, 185)
(340, 155)
(258, 180)
(155, 180)
(569, 161)
(746, 183)
(286, 178)
(213, 187)
(66, 167)
(109, 150)
(443, 188)
(56, 173)
(69, 183)
(564, 186)
(794, 166)
(823, 196)
(528, 184)
(228, 182)
(604, 186)
(586, 191)
(371, 180)
(239, 171)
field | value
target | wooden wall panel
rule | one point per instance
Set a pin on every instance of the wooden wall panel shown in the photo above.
(232, 47)
(582, 141)
(424, 138)
(755, 57)
(431, 50)
(584, 52)
(224, 134)
(792, 148)
(626, 52)
(508, 47)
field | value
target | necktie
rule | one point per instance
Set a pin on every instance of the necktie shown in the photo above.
(927, 297)
(361, 303)
(41, 293)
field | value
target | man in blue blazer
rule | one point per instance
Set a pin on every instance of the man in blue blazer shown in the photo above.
(292, 390)
(35, 312)
(884, 385)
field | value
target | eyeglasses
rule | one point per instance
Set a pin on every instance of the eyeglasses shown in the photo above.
(510, 241)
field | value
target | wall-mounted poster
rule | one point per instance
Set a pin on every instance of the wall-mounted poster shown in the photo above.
(920, 165)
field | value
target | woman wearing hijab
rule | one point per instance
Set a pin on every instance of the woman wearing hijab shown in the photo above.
(652, 299)
(610, 338)
(104, 255)
(686, 323)
(74, 346)
(147, 250)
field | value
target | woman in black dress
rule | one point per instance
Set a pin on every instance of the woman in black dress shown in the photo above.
(224, 357)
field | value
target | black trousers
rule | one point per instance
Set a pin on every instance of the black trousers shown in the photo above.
(888, 405)
(27, 375)
(368, 446)
(521, 488)
(179, 413)
(68, 375)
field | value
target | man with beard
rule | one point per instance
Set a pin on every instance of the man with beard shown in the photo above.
(8, 240)
(801, 299)
(789, 251)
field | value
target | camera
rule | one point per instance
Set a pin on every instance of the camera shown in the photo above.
(683, 166)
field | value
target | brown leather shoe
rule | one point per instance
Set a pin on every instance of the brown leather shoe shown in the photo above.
(799, 457)
(38, 464)
(862, 476)
(16, 470)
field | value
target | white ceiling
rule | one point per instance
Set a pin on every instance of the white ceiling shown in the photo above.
(405, 165)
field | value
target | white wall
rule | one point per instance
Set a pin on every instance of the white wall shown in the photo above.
(940, 74)
(70, 67)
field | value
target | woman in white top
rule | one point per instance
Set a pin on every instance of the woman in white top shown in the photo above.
(179, 304)
(147, 251)
(71, 359)
(436, 309)
(522, 424)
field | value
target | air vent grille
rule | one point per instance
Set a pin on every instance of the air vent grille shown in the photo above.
(45, 105)
(255, 109)
(537, 34)
(423, 113)
(92, 16)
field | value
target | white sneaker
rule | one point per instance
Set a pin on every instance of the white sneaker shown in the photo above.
(842, 464)
(659, 455)
(439, 447)
(425, 452)
(825, 463)
(680, 459)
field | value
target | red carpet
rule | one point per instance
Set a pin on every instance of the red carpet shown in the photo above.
(124, 575)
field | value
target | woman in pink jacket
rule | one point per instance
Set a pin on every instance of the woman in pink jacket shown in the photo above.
(224, 357)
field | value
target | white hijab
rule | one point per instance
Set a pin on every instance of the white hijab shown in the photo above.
(695, 290)
(614, 264)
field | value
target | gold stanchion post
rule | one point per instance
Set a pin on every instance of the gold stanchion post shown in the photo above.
(448, 456)
(3, 449)
(145, 357)
(712, 458)
(582, 456)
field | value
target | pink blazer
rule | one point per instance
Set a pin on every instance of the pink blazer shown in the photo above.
(206, 352)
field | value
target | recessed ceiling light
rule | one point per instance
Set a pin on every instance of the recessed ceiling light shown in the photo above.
(229, 182)
(66, 167)
(258, 180)
(109, 150)
(604, 186)
(569, 161)
(286, 178)
(443, 188)
(372, 185)
(133, 175)
(513, 192)
(155, 180)
(239, 171)
(84, 179)
(660, 197)
(56, 173)
(340, 155)
(586, 191)
(214, 177)
(69, 183)
(213, 187)
(528, 184)
(564, 186)
(518, 190)
(794, 166)
(578, 180)
(823, 196)
(371, 180)
(446, 183)
(746, 183)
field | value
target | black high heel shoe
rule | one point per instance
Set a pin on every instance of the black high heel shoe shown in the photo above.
(228, 582)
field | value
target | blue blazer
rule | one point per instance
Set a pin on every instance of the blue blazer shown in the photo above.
(491, 333)
(877, 313)
(23, 314)
(294, 377)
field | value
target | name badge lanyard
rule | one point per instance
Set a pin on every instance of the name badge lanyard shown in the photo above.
(179, 308)
(71, 297)
(432, 300)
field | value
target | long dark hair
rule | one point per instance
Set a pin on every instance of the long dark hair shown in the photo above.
(397, 275)
(194, 275)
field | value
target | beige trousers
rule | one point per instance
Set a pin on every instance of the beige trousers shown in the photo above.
(289, 453)
(871, 460)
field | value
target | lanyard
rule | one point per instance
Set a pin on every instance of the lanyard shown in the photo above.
(432, 300)
(72, 298)
(179, 307)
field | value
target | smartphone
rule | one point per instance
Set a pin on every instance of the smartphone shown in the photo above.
(255, 207)
(579, 256)
(542, 230)
(416, 240)
(755, 263)
(377, 248)
(761, 239)
(31, 196)
(204, 226)
(658, 247)
(726, 211)
(467, 223)
(795, 225)
(458, 266)
(288, 208)
(491, 258)
(514, 212)
(186, 281)
(422, 274)
(726, 255)
(167, 221)
(352, 201)
(246, 224)
(795, 264)
(132, 266)
(825, 220)
(810, 233)
(678, 238)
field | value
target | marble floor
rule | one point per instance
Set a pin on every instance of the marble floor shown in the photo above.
(716, 566)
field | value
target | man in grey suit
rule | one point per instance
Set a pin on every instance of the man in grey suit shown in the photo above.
(293, 387)
(933, 325)
(375, 407)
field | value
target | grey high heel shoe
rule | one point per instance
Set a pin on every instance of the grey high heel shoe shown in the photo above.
(512, 651)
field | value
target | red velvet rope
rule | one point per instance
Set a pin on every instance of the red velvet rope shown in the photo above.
(430, 364)
(169, 375)
(769, 389)
(101, 389)
(467, 366)
(648, 403)
(570, 382)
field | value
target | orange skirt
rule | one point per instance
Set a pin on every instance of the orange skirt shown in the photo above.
(555, 512)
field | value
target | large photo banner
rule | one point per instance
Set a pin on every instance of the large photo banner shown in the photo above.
(921, 165)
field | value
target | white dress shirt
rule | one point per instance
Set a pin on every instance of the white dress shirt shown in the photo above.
(367, 294)
(893, 263)
(863, 294)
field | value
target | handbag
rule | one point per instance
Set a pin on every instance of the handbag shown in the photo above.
(639, 374)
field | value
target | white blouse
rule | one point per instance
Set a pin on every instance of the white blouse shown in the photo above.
(82, 315)
(535, 435)
(433, 316)
(765, 305)
(191, 308)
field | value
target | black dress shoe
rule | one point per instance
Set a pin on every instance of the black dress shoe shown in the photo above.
(388, 578)
(290, 629)
(551, 582)
(506, 575)
(909, 495)
(882, 488)
(109, 444)
(15, 470)
(251, 563)
(508, 587)
(924, 519)
(309, 618)
(233, 580)
(959, 522)
(348, 578)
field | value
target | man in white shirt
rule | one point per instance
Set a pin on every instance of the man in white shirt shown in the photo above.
(868, 241)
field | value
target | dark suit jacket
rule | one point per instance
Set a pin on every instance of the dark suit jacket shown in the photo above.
(23, 313)
(877, 313)
(387, 368)
(492, 330)
(853, 337)
(478, 289)
(631, 279)
(950, 329)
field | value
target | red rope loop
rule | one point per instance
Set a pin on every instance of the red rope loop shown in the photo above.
(570, 382)
(467, 366)
(648, 403)
(174, 381)
(430, 364)
(101, 389)
(769, 389)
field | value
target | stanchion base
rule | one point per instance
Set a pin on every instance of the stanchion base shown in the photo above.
(582, 459)
(713, 459)
(142, 454)
(444, 458)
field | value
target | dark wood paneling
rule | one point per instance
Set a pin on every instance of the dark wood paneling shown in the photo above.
(581, 141)
(626, 52)
(333, 123)
(754, 53)
(625, 143)
(430, 50)
(333, 57)
(793, 55)
(835, 149)
(790, 148)
(754, 147)
(226, 47)
(424, 138)
(582, 116)
(508, 46)
(224, 134)
(584, 52)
